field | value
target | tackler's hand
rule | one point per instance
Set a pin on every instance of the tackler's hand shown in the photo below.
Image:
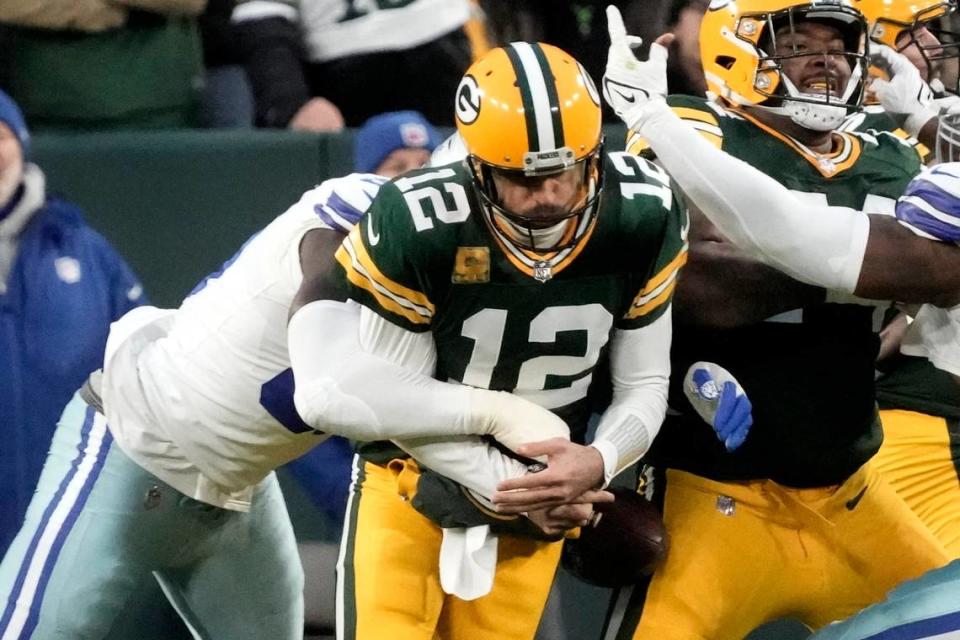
(630, 84)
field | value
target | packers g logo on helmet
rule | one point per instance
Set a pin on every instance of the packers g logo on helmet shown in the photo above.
(533, 109)
(741, 64)
(468, 100)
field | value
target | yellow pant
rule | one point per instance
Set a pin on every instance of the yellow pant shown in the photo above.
(917, 460)
(742, 554)
(389, 580)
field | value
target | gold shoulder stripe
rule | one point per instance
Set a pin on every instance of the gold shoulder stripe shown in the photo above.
(636, 144)
(392, 296)
(687, 113)
(667, 271)
(658, 288)
(922, 150)
(653, 303)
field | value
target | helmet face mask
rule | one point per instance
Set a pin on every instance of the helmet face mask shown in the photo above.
(536, 230)
(528, 112)
(761, 53)
(948, 138)
(920, 30)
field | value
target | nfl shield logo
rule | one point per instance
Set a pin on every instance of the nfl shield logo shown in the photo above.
(542, 271)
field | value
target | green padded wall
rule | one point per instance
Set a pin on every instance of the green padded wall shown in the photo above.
(178, 204)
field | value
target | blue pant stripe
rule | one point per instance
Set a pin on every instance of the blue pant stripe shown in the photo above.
(921, 628)
(64, 531)
(45, 522)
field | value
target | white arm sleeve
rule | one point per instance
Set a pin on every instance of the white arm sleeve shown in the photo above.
(375, 384)
(467, 460)
(819, 245)
(640, 372)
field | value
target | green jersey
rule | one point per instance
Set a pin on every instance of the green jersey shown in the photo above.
(428, 257)
(809, 372)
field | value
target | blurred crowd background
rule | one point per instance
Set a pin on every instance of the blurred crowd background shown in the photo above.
(317, 65)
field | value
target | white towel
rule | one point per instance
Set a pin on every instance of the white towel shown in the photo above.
(468, 561)
(935, 334)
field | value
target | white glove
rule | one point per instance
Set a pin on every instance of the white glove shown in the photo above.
(630, 84)
(905, 93)
(947, 103)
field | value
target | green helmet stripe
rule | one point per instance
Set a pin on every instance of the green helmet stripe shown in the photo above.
(539, 94)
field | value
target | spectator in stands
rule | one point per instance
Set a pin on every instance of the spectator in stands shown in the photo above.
(227, 98)
(104, 63)
(388, 144)
(579, 28)
(61, 285)
(318, 67)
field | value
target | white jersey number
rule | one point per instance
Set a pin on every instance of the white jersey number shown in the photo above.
(486, 328)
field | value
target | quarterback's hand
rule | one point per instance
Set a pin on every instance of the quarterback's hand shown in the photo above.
(905, 93)
(555, 521)
(573, 475)
(721, 402)
(630, 84)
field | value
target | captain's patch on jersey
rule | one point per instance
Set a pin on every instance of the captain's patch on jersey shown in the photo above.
(472, 265)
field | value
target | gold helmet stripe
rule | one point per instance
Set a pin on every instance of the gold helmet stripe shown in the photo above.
(539, 94)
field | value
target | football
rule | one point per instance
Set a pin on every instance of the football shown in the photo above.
(625, 543)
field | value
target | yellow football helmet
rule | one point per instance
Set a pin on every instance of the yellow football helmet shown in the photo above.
(898, 24)
(742, 65)
(532, 109)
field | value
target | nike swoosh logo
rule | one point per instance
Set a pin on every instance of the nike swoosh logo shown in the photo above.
(373, 237)
(855, 500)
(628, 98)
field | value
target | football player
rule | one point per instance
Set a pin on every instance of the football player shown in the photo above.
(920, 404)
(519, 270)
(915, 29)
(785, 525)
(164, 462)
(845, 250)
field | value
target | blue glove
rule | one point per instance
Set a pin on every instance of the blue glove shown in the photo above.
(720, 400)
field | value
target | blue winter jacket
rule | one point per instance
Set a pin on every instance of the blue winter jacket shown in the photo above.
(65, 287)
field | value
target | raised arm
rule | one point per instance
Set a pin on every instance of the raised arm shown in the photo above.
(870, 256)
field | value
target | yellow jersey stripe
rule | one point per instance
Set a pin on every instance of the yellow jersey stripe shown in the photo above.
(361, 271)
(637, 144)
(697, 115)
(654, 303)
(922, 150)
(679, 260)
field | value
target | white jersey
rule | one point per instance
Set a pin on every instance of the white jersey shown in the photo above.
(202, 396)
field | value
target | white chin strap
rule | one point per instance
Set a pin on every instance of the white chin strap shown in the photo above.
(545, 238)
(818, 117)
(818, 114)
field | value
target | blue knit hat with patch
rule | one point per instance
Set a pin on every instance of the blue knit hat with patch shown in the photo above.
(11, 116)
(383, 134)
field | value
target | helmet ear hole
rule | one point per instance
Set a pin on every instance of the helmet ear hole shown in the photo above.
(726, 62)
